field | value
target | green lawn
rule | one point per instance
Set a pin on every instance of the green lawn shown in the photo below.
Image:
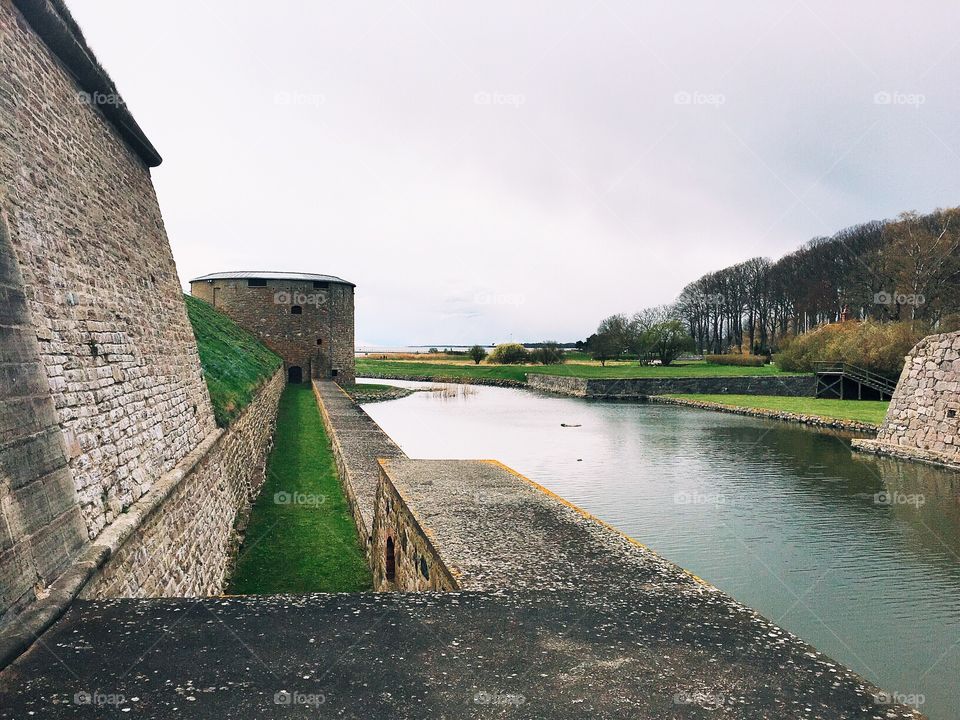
(301, 536)
(370, 367)
(869, 411)
(235, 364)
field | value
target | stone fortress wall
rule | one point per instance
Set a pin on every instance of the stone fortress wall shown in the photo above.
(318, 338)
(111, 465)
(923, 421)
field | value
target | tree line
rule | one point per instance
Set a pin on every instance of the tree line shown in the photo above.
(904, 269)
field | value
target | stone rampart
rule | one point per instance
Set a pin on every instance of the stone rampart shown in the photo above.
(98, 278)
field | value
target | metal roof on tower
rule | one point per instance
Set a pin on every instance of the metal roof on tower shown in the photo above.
(271, 275)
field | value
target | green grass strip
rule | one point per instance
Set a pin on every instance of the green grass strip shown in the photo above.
(301, 536)
(869, 411)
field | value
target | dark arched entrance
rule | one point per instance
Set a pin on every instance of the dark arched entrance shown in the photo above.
(295, 374)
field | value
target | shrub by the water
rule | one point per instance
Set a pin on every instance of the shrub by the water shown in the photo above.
(878, 347)
(549, 353)
(477, 353)
(739, 360)
(509, 354)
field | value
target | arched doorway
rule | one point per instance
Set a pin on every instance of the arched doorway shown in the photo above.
(391, 561)
(295, 374)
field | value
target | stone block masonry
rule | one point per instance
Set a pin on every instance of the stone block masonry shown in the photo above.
(99, 281)
(41, 529)
(180, 542)
(114, 479)
(635, 388)
(923, 420)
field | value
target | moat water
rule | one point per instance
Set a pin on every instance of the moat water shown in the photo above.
(856, 555)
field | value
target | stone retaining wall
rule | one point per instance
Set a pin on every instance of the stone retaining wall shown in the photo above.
(179, 540)
(417, 564)
(633, 388)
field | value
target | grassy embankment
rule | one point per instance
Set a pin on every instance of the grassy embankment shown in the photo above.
(466, 369)
(868, 411)
(301, 536)
(235, 364)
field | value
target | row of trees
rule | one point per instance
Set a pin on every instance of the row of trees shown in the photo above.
(654, 334)
(906, 269)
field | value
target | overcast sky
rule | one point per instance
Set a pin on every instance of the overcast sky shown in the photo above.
(497, 170)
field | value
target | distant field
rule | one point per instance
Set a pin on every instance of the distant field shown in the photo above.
(466, 370)
(869, 411)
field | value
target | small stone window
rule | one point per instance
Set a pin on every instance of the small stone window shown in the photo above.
(296, 310)
(333, 373)
(391, 561)
(951, 413)
(319, 341)
(256, 282)
(424, 570)
(320, 284)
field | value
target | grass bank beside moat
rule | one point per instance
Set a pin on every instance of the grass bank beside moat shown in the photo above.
(235, 363)
(870, 412)
(467, 370)
(301, 537)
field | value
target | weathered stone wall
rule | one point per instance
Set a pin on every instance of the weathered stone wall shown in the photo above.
(319, 340)
(784, 385)
(99, 283)
(923, 421)
(180, 540)
(417, 565)
(41, 528)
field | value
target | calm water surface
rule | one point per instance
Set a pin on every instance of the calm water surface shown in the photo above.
(782, 517)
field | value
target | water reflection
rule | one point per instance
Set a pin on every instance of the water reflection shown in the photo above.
(836, 547)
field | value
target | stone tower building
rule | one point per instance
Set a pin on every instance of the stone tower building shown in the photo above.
(307, 319)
